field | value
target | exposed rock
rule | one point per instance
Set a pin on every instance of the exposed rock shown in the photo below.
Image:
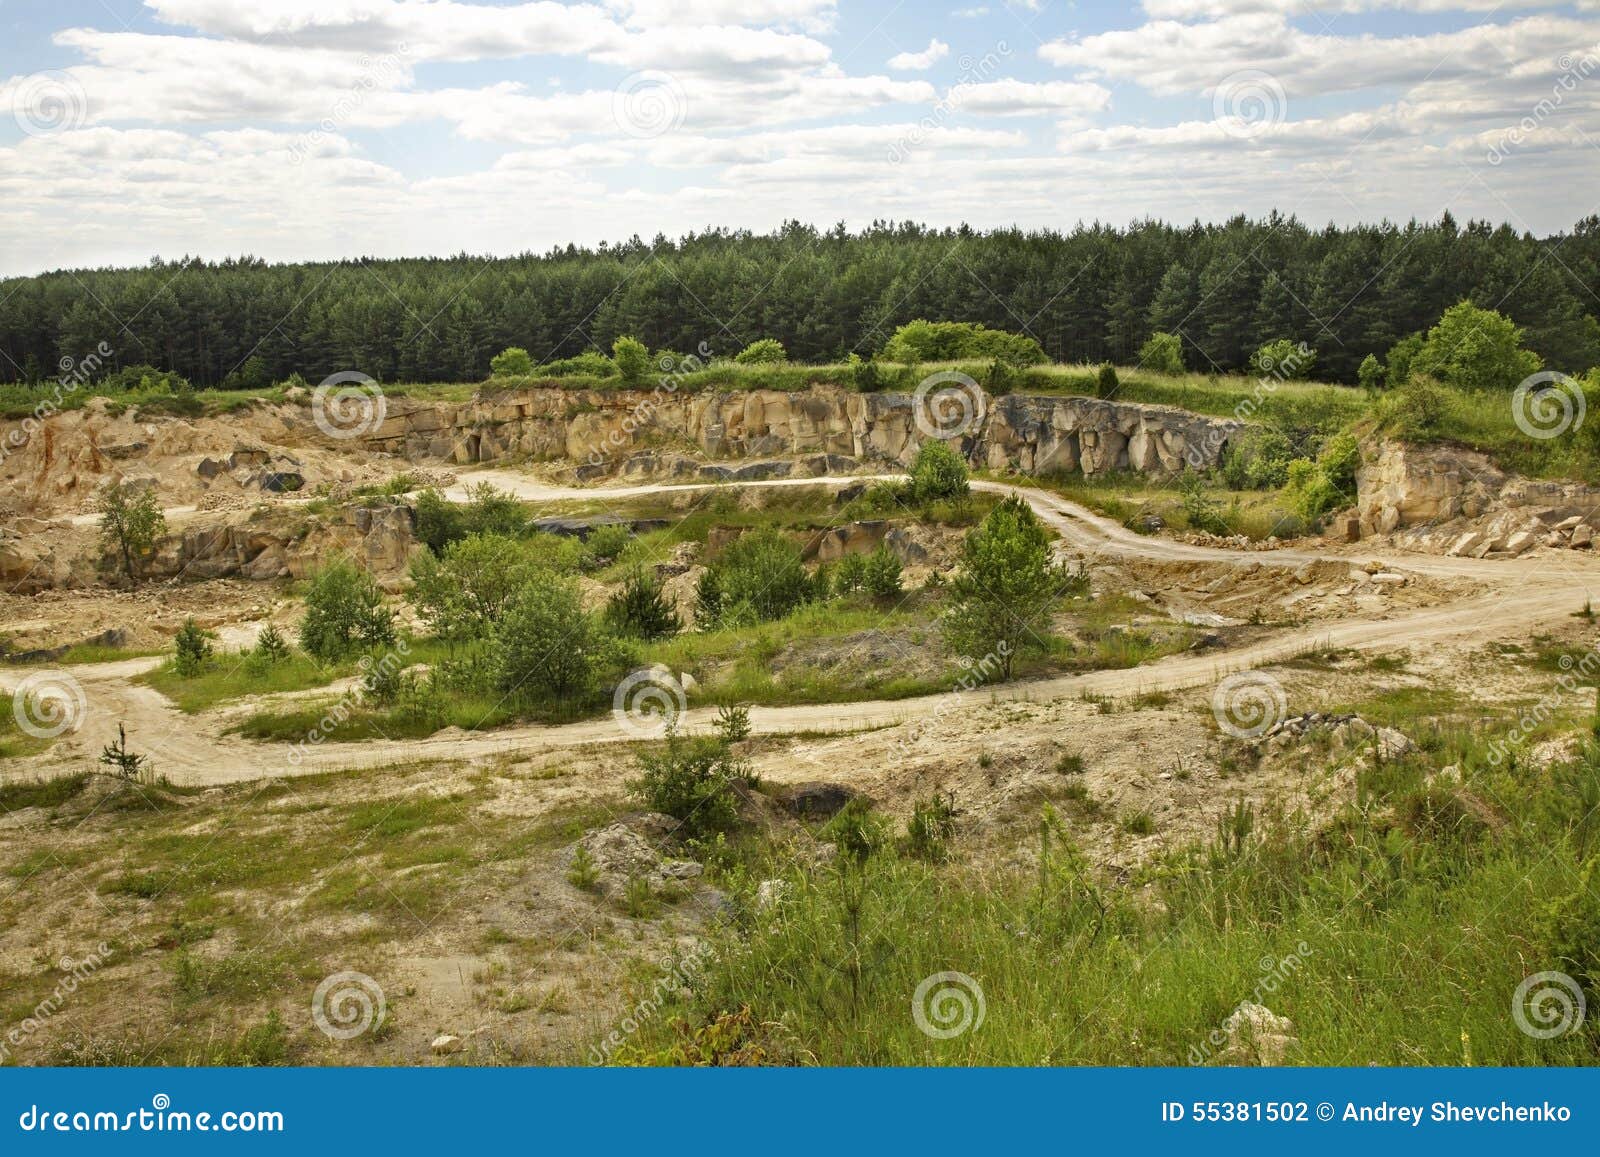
(1257, 1036)
(446, 1044)
(817, 800)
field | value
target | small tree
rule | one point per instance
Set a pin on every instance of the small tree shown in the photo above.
(733, 722)
(938, 472)
(130, 523)
(547, 644)
(1105, 382)
(1001, 598)
(344, 613)
(191, 649)
(124, 764)
(1371, 373)
(271, 646)
(761, 574)
(1284, 359)
(1475, 349)
(513, 362)
(465, 593)
(765, 352)
(881, 575)
(1162, 354)
(632, 358)
(691, 781)
(640, 609)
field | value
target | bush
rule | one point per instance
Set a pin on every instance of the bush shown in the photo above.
(191, 649)
(766, 352)
(938, 473)
(639, 610)
(760, 575)
(1258, 459)
(440, 522)
(865, 376)
(1001, 598)
(1284, 359)
(857, 830)
(1162, 354)
(1475, 349)
(344, 614)
(1105, 381)
(881, 573)
(1371, 375)
(605, 543)
(929, 830)
(1419, 407)
(691, 781)
(733, 722)
(1399, 359)
(589, 364)
(632, 359)
(511, 363)
(547, 644)
(463, 594)
(271, 647)
(1310, 492)
(948, 341)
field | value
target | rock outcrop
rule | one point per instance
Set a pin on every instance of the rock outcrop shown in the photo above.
(1448, 500)
(603, 428)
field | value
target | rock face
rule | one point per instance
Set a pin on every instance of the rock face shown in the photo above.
(281, 543)
(1447, 500)
(603, 428)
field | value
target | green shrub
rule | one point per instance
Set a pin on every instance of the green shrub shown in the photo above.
(866, 377)
(1399, 359)
(1257, 459)
(583, 873)
(948, 341)
(1310, 492)
(511, 363)
(464, 593)
(588, 364)
(1419, 407)
(1371, 374)
(765, 352)
(344, 613)
(761, 574)
(733, 722)
(1162, 354)
(1106, 383)
(605, 543)
(1284, 359)
(191, 649)
(639, 610)
(929, 830)
(271, 647)
(693, 782)
(1001, 598)
(547, 645)
(857, 830)
(131, 523)
(1475, 349)
(632, 359)
(938, 473)
(881, 574)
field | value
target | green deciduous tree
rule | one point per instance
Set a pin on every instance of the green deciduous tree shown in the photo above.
(131, 523)
(1162, 354)
(1475, 349)
(512, 362)
(344, 613)
(938, 472)
(463, 594)
(547, 645)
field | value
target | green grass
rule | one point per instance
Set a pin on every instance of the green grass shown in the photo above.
(1133, 499)
(1393, 935)
(14, 742)
(47, 793)
(230, 677)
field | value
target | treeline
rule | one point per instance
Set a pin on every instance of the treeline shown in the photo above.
(1094, 294)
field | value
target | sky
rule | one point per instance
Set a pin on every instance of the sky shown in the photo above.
(309, 129)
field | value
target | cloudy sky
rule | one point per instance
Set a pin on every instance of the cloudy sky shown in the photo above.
(324, 128)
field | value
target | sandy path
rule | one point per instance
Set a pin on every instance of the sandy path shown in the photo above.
(1518, 595)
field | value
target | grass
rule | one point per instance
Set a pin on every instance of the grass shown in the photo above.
(14, 742)
(231, 677)
(1137, 501)
(1394, 935)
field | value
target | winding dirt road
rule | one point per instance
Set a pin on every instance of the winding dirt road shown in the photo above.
(1517, 597)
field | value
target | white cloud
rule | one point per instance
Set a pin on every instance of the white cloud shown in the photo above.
(1023, 98)
(936, 51)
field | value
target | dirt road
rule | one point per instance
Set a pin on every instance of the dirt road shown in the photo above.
(1518, 596)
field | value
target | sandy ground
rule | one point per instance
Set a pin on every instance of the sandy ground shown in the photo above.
(1462, 599)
